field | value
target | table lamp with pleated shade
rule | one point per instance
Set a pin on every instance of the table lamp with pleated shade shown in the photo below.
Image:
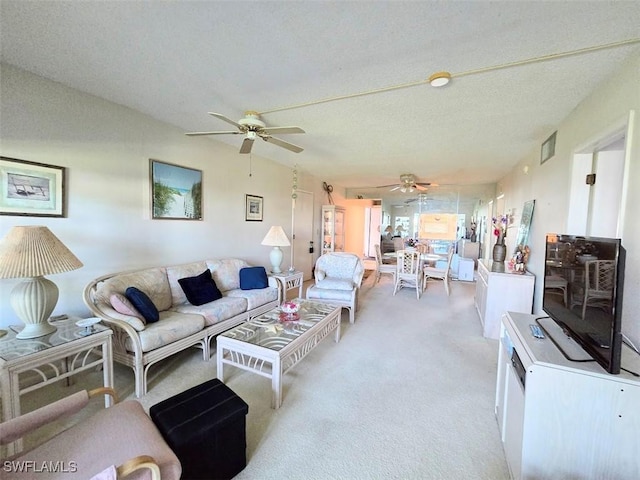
(276, 238)
(30, 252)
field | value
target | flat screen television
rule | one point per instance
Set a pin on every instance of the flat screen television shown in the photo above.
(583, 284)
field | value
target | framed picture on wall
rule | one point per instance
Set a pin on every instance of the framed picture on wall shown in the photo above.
(253, 208)
(176, 192)
(31, 189)
(548, 148)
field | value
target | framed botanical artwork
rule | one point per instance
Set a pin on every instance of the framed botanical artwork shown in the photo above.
(176, 192)
(253, 208)
(31, 189)
(548, 149)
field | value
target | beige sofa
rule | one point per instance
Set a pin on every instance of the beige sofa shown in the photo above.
(181, 324)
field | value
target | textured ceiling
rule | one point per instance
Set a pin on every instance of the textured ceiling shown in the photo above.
(175, 61)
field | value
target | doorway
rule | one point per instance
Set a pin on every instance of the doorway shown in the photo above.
(302, 233)
(599, 183)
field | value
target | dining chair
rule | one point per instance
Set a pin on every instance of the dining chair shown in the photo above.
(435, 273)
(383, 268)
(599, 283)
(408, 271)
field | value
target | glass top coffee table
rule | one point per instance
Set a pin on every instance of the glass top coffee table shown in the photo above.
(274, 342)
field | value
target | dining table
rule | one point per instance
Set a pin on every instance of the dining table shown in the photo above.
(426, 258)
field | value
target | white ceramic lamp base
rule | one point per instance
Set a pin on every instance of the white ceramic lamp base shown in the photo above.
(33, 300)
(276, 259)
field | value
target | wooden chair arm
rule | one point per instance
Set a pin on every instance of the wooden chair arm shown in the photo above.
(104, 391)
(137, 463)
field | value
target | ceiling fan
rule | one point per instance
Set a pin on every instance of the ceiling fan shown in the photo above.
(408, 184)
(252, 127)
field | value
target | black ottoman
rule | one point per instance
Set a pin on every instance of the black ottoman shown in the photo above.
(205, 427)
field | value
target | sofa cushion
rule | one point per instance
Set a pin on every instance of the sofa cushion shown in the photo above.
(173, 326)
(177, 272)
(226, 272)
(200, 289)
(253, 277)
(256, 297)
(152, 281)
(122, 305)
(143, 304)
(214, 312)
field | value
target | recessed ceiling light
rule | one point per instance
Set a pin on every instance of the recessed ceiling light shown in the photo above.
(439, 79)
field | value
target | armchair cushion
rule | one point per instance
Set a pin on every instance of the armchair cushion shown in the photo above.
(252, 278)
(335, 284)
(143, 304)
(200, 289)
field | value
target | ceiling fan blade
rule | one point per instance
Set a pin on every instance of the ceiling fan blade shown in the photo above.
(280, 130)
(395, 188)
(418, 186)
(230, 132)
(283, 144)
(427, 184)
(247, 143)
(226, 119)
(385, 186)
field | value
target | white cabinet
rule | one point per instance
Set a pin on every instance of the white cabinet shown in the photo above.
(567, 419)
(465, 269)
(498, 291)
(333, 228)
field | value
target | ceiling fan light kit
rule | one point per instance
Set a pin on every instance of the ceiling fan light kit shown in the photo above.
(252, 127)
(439, 79)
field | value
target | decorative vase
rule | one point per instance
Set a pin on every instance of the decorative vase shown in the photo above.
(499, 250)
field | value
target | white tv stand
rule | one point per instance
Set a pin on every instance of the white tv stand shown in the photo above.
(570, 419)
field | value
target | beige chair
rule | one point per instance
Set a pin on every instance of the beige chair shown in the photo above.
(382, 268)
(120, 440)
(434, 273)
(408, 271)
(338, 276)
(599, 284)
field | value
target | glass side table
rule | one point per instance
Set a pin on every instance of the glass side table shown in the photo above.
(67, 351)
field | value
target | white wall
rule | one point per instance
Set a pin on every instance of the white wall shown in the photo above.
(106, 149)
(549, 184)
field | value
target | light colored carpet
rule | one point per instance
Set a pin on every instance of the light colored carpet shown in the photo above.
(408, 393)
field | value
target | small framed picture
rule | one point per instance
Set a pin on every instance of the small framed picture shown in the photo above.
(31, 189)
(176, 192)
(253, 208)
(548, 149)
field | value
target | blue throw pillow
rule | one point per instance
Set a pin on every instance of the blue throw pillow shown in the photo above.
(200, 289)
(143, 304)
(252, 278)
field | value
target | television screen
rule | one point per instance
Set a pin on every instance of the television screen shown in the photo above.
(583, 293)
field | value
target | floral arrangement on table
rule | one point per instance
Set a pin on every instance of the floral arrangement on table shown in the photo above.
(289, 307)
(411, 242)
(500, 225)
(518, 263)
